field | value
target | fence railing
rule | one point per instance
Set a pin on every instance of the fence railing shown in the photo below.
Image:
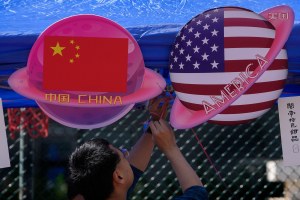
(247, 157)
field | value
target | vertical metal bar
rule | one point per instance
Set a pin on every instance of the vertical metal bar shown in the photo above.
(21, 157)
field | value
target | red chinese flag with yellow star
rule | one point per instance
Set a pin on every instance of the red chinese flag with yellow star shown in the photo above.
(85, 64)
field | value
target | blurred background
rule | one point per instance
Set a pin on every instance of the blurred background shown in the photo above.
(248, 158)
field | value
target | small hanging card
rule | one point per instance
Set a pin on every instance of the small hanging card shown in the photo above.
(289, 118)
(4, 155)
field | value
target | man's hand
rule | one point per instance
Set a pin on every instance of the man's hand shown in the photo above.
(163, 136)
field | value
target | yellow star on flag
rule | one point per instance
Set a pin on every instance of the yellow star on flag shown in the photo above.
(57, 49)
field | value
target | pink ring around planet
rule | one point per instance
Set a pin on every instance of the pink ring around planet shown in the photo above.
(281, 18)
(142, 83)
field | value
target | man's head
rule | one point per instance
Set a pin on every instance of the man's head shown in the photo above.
(97, 170)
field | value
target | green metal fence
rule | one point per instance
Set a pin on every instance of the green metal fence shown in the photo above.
(248, 158)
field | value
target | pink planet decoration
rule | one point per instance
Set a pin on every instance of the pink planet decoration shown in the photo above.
(142, 83)
(229, 65)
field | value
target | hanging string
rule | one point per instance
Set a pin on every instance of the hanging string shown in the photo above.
(167, 96)
(161, 104)
(208, 158)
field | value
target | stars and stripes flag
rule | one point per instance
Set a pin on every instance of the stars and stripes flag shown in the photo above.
(212, 49)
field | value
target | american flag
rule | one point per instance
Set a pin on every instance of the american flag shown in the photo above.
(212, 49)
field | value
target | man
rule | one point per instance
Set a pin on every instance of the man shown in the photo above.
(101, 171)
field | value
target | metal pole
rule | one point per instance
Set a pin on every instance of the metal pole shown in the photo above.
(21, 157)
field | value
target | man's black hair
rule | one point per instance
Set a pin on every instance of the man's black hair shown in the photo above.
(91, 170)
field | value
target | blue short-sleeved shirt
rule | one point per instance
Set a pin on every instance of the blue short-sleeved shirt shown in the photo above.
(192, 193)
(137, 174)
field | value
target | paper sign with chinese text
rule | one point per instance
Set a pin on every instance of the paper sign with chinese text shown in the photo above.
(4, 155)
(289, 118)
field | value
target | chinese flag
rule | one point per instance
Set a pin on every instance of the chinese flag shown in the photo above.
(85, 64)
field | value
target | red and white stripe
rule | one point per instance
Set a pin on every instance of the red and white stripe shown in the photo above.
(245, 35)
